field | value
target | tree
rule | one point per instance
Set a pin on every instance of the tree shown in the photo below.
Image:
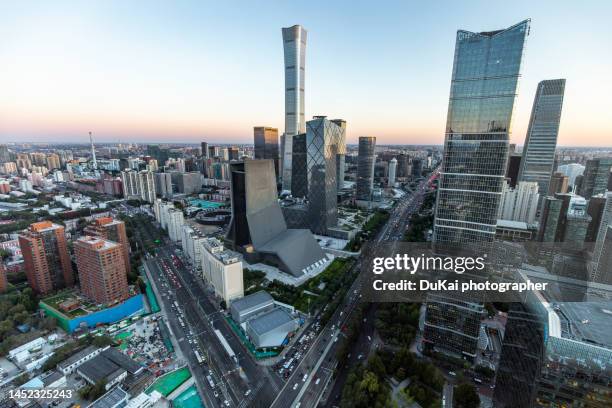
(465, 396)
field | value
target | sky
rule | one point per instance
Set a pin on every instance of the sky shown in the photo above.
(187, 71)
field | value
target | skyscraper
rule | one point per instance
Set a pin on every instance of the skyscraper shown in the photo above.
(315, 169)
(392, 171)
(100, 264)
(595, 177)
(550, 218)
(112, 230)
(266, 144)
(139, 185)
(341, 156)
(94, 162)
(294, 47)
(45, 254)
(366, 158)
(606, 220)
(520, 203)
(541, 139)
(204, 150)
(486, 70)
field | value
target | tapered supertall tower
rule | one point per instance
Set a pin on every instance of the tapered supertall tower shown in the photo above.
(94, 162)
(294, 47)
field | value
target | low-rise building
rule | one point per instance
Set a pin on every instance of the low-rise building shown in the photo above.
(74, 361)
(272, 328)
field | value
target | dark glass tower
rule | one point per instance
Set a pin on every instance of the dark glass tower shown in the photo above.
(365, 167)
(266, 144)
(486, 71)
(541, 140)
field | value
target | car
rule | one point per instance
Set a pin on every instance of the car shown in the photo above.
(226, 402)
(318, 381)
(304, 377)
(247, 393)
(295, 386)
(216, 394)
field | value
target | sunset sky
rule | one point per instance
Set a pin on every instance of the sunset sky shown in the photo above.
(185, 71)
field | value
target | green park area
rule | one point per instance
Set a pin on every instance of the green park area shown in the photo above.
(170, 382)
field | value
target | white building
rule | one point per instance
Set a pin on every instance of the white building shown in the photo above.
(222, 269)
(175, 224)
(192, 245)
(520, 203)
(138, 185)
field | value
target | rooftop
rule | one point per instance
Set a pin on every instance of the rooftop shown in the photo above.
(77, 356)
(269, 321)
(110, 399)
(253, 300)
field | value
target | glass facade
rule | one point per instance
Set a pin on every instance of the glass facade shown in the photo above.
(266, 144)
(316, 155)
(541, 140)
(486, 70)
(365, 167)
(294, 47)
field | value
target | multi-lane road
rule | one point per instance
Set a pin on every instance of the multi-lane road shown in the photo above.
(239, 381)
(306, 385)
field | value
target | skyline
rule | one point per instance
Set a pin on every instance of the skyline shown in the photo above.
(100, 62)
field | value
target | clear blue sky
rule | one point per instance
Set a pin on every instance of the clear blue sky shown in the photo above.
(195, 70)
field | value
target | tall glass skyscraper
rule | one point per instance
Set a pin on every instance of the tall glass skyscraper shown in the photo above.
(541, 140)
(366, 158)
(486, 70)
(294, 47)
(315, 169)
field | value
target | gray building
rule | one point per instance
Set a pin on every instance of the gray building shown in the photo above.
(271, 329)
(606, 220)
(250, 306)
(595, 177)
(187, 183)
(258, 229)
(163, 184)
(541, 139)
(486, 71)
(294, 47)
(366, 158)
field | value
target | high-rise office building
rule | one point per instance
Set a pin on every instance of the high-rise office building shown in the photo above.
(341, 156)
(549, 220)
(606, 221)
(595, 209)
(366, 158)
(538, 159)
(317, 174)
(402, 166)
(113, 230)
(559, 183)
(452, 324)
(604, 264)
(100, 264)
(392, 171)
(595, 177)
(486, 71)
(294, 47)
(45, 254)
(266, 144)
(417, 167)
(576, 224)
(204, 150)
